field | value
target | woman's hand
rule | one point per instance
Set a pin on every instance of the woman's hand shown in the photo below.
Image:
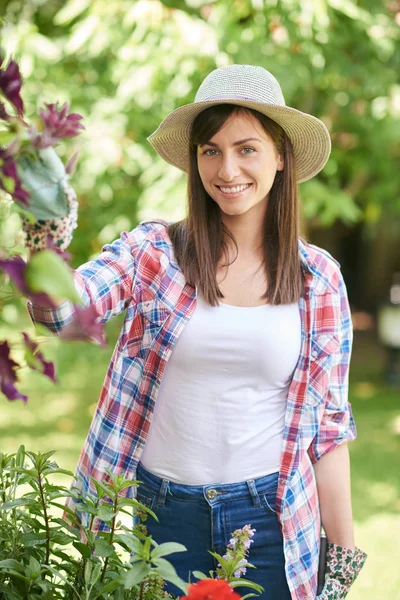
(342, 568)
(59, 232)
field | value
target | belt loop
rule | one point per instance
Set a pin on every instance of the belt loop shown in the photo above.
(163, 492)
(253, 492)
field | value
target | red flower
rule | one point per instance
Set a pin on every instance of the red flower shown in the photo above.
(211, 589)
(10, 84)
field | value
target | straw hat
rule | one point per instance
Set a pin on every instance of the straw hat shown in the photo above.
(254, 87)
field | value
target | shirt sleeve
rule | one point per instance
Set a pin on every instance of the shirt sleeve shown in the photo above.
(107, 282)
(337, 423)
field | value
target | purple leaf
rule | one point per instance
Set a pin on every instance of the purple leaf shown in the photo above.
(9, 169)
(10, 84)
(48, 367)
(3, 113)
(71, 164)
(85, 326)
(58, 125)
(15, 267)
(8, 376)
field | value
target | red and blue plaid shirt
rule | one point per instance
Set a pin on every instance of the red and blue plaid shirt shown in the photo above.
(139, 273)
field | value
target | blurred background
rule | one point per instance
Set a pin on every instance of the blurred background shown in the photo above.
(123, 65)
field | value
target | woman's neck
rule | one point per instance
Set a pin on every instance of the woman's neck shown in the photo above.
(247, 233)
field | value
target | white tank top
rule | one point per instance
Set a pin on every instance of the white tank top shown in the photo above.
(220, 410)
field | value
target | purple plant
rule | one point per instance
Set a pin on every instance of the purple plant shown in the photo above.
(85, 326)
(58, 125)
(237, 551)
(31, 176)
(15, 268)
(8, 376)
(37, 362)
(10, 84)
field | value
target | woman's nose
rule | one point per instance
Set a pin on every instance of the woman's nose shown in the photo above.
(229, 169)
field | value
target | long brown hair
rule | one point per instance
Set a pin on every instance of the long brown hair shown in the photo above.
(202, 239)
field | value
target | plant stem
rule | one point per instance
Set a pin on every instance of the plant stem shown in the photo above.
(46, 519)
(115, 506)
(141, 590)
(84, 560)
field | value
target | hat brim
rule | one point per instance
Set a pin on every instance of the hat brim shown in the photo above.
(309, 136)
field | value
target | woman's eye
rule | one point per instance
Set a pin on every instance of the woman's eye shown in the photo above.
(209, 152)
(248, 150)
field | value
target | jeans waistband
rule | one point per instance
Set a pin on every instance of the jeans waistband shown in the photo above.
(213, 491)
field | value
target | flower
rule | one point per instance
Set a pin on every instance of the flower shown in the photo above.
(211, 589)
(8, 170)
(58, 125)
(8, 375)
(85, 326)
(15, 267)
(37, 362)
(236, 554)
(10, 84)
(242, 570)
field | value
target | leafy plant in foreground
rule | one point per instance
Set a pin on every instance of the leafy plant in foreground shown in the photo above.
(43, 555)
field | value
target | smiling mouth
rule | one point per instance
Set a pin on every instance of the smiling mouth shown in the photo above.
(234, 189)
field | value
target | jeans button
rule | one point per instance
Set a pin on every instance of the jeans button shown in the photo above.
(211, 494)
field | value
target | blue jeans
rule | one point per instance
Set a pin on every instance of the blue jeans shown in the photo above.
(203, 517)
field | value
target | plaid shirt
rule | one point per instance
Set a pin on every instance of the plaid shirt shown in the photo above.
(139, 273)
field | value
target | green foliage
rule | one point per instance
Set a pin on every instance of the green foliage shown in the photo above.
(42, 556)
(47, 272)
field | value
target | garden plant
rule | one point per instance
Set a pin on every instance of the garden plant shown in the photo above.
(46, 556)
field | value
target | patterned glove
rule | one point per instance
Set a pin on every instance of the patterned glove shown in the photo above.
(60, 230)
(342, 567)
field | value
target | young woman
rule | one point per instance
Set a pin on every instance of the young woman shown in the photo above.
(226, 393)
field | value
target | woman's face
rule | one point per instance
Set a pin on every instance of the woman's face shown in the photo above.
(238, 165)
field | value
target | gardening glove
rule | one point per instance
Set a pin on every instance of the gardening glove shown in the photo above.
(342, 567)
(52, 200)
(59, 230)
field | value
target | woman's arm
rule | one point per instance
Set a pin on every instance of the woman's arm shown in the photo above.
(107, 282)
(332, 473)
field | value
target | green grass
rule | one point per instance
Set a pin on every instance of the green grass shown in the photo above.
(58, 418)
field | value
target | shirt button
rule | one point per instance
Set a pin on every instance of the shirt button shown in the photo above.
(211, 494)
(314, 353)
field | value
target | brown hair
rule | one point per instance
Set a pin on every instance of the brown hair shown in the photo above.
(201, 240)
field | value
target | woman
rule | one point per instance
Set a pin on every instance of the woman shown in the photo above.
(235, 348)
